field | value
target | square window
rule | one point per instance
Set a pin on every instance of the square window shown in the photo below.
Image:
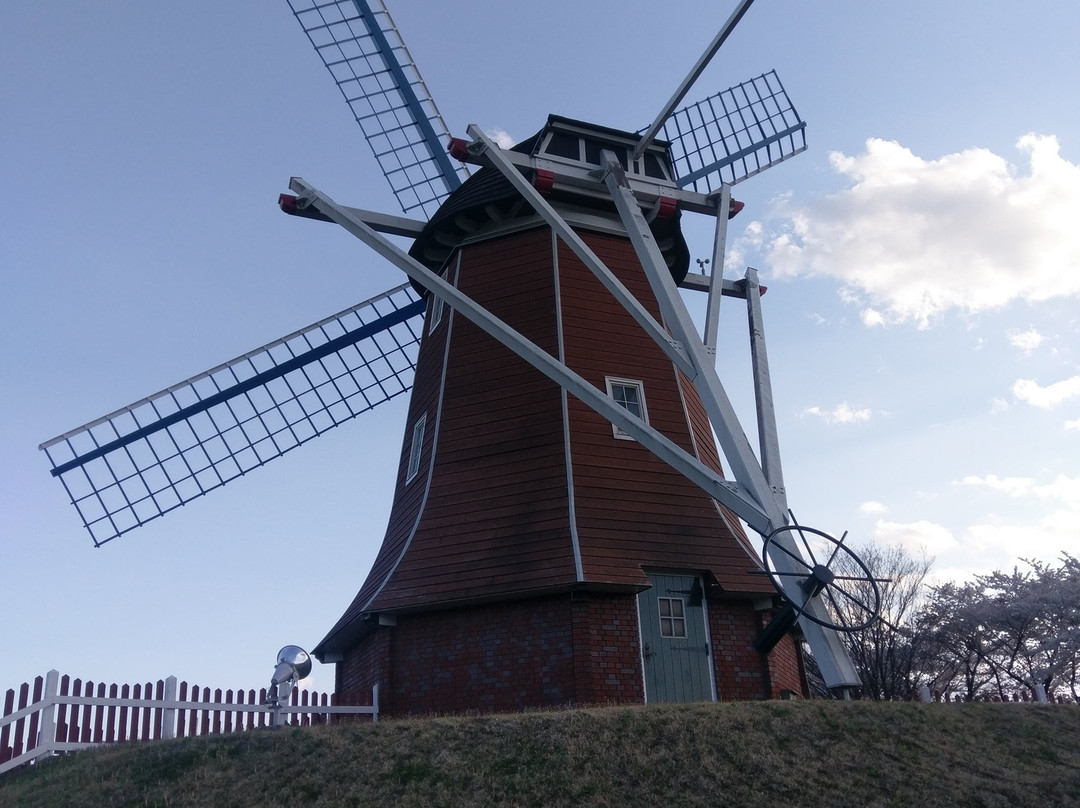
(672, 617)
(630, 395)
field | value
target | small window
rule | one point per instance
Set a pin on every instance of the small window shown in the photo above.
(593, 148)
(630, 395)
(653, 167)
(563, 144)
(436, 312)
(417, 448)
(672, 617)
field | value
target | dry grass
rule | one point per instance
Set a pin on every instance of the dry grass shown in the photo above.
(746, 754)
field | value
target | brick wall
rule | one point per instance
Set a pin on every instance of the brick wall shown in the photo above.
(554, 651)
(786, 670)
(741, 672)
(570, 649)
(608, 662)
(366, 663)
(505, 656)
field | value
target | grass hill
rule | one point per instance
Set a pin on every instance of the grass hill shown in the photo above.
(802, 753)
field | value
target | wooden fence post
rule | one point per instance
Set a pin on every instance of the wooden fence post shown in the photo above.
(48, 725)
(99, 715)
(32, 737)
(168, 715)
(24, 699)
(5, 732)
(147, 714)
(85, 735)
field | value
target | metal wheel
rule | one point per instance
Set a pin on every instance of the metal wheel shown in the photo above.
(856, 596)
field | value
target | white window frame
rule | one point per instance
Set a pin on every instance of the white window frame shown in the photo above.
(675, 626)
(613, 382)
(416, 448)
(437, 306)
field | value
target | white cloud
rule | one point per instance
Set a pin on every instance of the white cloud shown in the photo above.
(913, 238)
(915, 537)
(871, 318)
(998, 406)
(1026, 341)
(1073, 424)
(999, 541)
(1009, 542)
(872, 507)
(842, 413)
(502, 139)
(1063, 488)
(1012, 486)
(1047, 397)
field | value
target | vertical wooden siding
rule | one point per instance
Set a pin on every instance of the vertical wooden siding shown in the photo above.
(496, 519)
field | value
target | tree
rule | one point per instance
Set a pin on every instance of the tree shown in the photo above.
(954, 646)
(885, 653)
(997, 636)
(1004, 633)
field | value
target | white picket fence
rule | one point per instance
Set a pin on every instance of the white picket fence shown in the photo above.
(56, 714)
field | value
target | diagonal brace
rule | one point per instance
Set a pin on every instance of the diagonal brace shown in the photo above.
(737, 450)
(728, 493)
(674, 350)
(828, 648)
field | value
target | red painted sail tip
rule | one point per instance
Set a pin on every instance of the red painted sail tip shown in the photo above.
(458, 148)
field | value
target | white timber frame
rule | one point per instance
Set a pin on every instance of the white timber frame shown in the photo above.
(757, 494)
(638, 386)
(763, 480)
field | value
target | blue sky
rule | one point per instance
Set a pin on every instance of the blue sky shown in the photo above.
(922, 261)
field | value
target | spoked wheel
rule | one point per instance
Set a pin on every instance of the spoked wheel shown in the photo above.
(855, 600)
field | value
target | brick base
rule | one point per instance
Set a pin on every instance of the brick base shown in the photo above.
(741, 672)
(569, 649)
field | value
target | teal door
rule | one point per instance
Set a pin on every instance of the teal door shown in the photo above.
(675, 648)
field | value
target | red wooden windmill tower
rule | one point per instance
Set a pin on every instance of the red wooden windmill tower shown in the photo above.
(561, 530)
(525, 525)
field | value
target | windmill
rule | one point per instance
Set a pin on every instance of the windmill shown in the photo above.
(504, 296)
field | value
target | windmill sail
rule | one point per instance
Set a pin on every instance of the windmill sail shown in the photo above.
(360, 46)
(734, 134)
(152, 456)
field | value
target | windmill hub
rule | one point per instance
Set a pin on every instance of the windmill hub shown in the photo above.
(822, 576)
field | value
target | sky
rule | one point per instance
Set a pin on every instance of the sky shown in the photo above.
(921, 258)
